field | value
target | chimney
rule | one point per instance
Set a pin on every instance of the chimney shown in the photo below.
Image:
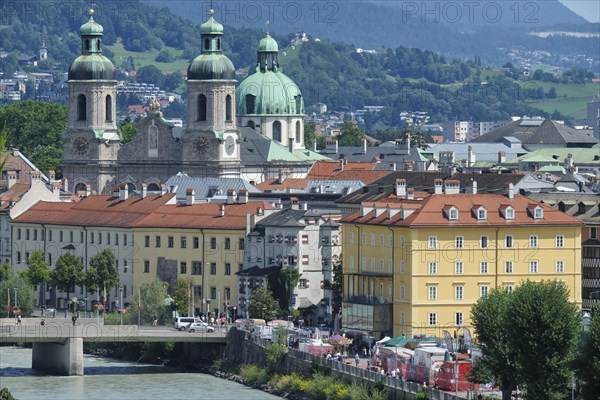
(243, 196)
(501, 157)
(283, 174)
(410, 193)
(190, 196)
(510, 191)
(403, 146)
(65, 183)
(144, 190)
(163, 189)
(35, 176)
(222, 210)
(315, 146)
(472, 187)
(470, 157)
(291, 145)
(438, 186)
(51, 175)
(452, 187)
(392, 166)
(305, 206)
(123, 192)
(11, 177)
(294, 203)
(341, 165)
(231, 196)
(88, 190)
(408, 165)
(331, 146)
(400, 187)
(260, 211)
(364, 145)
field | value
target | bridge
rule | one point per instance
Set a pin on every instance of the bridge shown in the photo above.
(58, 343)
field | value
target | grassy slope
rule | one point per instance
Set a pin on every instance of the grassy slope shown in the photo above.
(149, 58)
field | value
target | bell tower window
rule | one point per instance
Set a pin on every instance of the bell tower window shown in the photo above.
(201, 107)
(298, 133)
(81, 108)
(250, 100)
(218, 43)
(86, 45)
(277, 131)
(228, 108)
(108, 107)
(206, 44)
(98, 44)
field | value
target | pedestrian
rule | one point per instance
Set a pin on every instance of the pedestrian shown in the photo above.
(154, 320)
(364, 351)
(357, 360)
(19, 319)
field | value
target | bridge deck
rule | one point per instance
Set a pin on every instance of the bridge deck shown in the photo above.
(60, 329)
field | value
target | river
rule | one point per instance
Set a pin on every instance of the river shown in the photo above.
(111, 379)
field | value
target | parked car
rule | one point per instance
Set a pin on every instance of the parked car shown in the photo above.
(181, 323)
(200, 326)
(47, 310)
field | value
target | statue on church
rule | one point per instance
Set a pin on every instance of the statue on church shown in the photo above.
(154, 108)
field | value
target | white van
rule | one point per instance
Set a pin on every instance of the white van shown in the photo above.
(263, 332)
(181, 323)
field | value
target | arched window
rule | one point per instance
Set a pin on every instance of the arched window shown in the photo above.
(86, 44)
(108, 106)
(206, 44)
(80, 187)
(201, 107)
(81, 108)
(277, 131)
(218, 43)
(130, 187)
(298, 133)
(153, 137)
(251, 124)
(98, 44)
(228, 108)
(153, 187)
(250, 100)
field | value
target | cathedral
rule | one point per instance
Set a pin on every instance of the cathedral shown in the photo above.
(253, 132)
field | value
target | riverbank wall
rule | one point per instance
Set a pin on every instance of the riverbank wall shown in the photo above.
(243, 348)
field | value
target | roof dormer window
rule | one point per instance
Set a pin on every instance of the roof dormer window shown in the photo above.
(453, 214)
(509, 213)
(482, 214)
(538, 213)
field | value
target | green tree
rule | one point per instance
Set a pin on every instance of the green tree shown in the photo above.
(282, 284)
(25, 294)
(151, 299)
(164, 56)
(37, 272)
(543, 330)
(182, 295)
(150, 74)
(4, 271)
(102, 273)
(10, 65)
(489, 320)
(418, 139)
(47, 158)
(263, 305)
(67, 273)
(590, 370)
(350, 135)
(310, 135)
(336, 286)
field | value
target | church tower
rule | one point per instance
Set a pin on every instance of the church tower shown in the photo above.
(212, 137)
(91, 140)
(43, 56)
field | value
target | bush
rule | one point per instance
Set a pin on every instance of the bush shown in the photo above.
(298, 383)
(5, 394)
(275, 353)
(254, 374)
(421, 395)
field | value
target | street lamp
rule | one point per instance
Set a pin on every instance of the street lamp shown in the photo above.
(121, 303)
(16, 302)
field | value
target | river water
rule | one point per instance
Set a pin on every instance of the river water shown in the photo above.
(111, 379)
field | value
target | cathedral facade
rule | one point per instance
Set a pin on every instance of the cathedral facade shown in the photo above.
(267, 105)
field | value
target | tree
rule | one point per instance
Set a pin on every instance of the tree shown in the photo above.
(164, 56)
(150, 74)
(47, 158)
(336, 286)
(37, 272)
(4, 271)
(542, 331)
(102, 272)
(350, 135)
(489, 320)
(590, 371)
(263, 305)
(25, 294)
(128, 132)
(67, 273)
(182, 295)
(282, 284)
(152, 301)
(310, 135)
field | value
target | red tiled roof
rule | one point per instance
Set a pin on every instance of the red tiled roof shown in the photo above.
(101, 210)
(204, 215)
(292, 183)
(430, 213)
(366, 177)
(327, 169)
(15, 192)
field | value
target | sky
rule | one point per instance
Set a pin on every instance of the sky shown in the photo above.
(588, 9)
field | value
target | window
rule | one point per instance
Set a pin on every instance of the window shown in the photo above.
(432, 317)
(508, 267)
(124, 265)
(227, 294)
(372, 239)
(198, 291)
(108, 107)
(227, 244)
(533, 241)
(483, 290)
(304, 239)
(459, 292)
(372, 264)
(509, 213)
(363, 264)
(146, 266)
(27, 234)
(117, 239)
(391, 241)
(508, 242)
(305, 259)
(459, 267)
(99, 237)
(242, 244)
(196, 268)
(303, 284)
(170, 241)
(201, 107)
(402, 292)
(453, 214)
(560, 241)
(381, 265)
(364, 238)
(35, 235)
(432, 267)
(49, 234)
(483, 267)
(482, 214)
(60, 236)
(459, 242)
(80, 236)
(402, 267)
(533, 266)
(183, 242)
(146, 241)
(228, 112)
(50, 259)
(401, 242)
(560, 266)
(19, 234)
(458, 319)
(432, 242)
(432, 293)
(351, 237)
(91, 236)
(298, 132)
(18, 257)
(382, 240)
(196, 242)
(593, 233)
(538, 213)
(508, 288)
(213, 293)
(227, 268)
(81, 106)
(391, 266)
(213, 243)
(158, 241)
(351, 262)
(183, 267)
(213, 268)
(277, 131)
(250, 101)
(107, 237)
(484, 242)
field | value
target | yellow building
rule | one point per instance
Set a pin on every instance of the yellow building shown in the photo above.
(417, 262)
(201, 242)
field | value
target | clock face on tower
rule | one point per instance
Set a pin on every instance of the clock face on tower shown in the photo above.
(230, 145)
(80, 145)
(200, 145)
